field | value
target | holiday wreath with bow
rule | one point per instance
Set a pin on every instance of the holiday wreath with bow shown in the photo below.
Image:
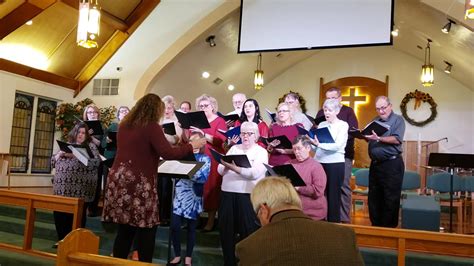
(419, 97)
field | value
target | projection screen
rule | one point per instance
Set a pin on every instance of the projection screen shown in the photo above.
(275, 25)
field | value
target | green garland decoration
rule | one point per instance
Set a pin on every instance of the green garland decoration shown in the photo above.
(419, 96)
(67, 114)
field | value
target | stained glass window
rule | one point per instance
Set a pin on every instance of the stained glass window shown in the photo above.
(21, 128)
(44, 137)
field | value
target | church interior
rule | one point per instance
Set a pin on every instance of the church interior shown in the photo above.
(186, 48)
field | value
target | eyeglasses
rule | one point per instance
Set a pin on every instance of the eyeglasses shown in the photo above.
(123, 111)
(91, 112)
(249, 134)
(382, 108)
(202, 106)
(283, 111)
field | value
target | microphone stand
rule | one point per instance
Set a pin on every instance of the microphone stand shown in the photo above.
(427, 155)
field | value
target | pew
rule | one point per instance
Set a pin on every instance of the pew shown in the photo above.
(33, 201)
(80, 248)
(403, 240)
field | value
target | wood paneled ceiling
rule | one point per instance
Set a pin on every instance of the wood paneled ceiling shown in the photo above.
(46, 50)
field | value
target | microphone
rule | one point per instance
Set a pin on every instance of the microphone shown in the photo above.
(446, 139)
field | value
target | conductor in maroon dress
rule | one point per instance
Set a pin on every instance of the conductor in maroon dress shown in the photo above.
(131, 198)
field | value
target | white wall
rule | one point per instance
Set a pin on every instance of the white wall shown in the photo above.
(169, 21)
(455, 118)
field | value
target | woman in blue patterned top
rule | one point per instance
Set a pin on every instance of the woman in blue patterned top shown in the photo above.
(187, 205)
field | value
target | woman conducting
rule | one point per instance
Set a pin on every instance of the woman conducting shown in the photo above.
(131, 198)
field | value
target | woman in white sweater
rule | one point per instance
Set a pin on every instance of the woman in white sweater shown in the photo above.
(236, 215)
(331, 157)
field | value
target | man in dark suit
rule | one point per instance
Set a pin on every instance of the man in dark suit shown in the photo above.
(289, 237)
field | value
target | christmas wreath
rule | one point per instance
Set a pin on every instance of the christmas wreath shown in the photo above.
(419, 97)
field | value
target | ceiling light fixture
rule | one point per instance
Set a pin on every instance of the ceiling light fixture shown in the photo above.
(88, 26)
(258, 78)
(231, 87)
(447, 28)
(211, 40)
(469, 7)
(29, 22)
(205, 74)
(427, 70)
(448, 68)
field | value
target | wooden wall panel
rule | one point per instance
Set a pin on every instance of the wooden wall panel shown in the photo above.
(365, 110)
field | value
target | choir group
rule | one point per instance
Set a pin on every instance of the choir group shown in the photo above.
(139, 201)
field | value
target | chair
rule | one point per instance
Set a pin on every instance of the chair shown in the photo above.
(421, 213)
(411, 181)
(440, 183)
(469, 188)
(361, 194)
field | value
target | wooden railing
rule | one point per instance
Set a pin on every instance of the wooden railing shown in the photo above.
(80, 247)
(31, 202)
(403, 240)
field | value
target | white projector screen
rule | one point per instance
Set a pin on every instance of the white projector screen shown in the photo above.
(274, 25)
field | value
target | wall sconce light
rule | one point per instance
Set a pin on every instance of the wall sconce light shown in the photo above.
(88, 26)
(469, 7)
(258, 78)
(447, 28)
(448, 68)
(211, 40)
(395, 32)
(427, 70)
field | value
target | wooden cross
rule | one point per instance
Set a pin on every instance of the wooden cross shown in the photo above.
(352, 98)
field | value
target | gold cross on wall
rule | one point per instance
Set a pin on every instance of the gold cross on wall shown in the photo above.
(352, 98)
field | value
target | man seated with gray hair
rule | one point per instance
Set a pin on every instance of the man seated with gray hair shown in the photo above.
(289, 237)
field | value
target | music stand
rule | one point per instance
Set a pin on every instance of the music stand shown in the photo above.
(178, 171)
(451, 160)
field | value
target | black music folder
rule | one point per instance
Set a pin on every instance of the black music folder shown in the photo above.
(285, 143)
(240, 160)
(67, 147)
(112, 135)
(378, 127)
(96, 127)
(196, 119)
(230, 117)
(271, 115)
(169, 128)
(178, 169)
(288, 171)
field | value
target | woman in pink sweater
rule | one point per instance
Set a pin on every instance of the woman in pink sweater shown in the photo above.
(312, 195)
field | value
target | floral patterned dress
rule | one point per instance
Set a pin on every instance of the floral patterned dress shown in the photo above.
(131, 195)
(188, 198)
(74, 179)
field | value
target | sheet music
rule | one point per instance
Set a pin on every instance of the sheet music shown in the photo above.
(175, 167)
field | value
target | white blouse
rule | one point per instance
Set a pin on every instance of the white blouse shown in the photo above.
(333, 152)
(248, 178)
